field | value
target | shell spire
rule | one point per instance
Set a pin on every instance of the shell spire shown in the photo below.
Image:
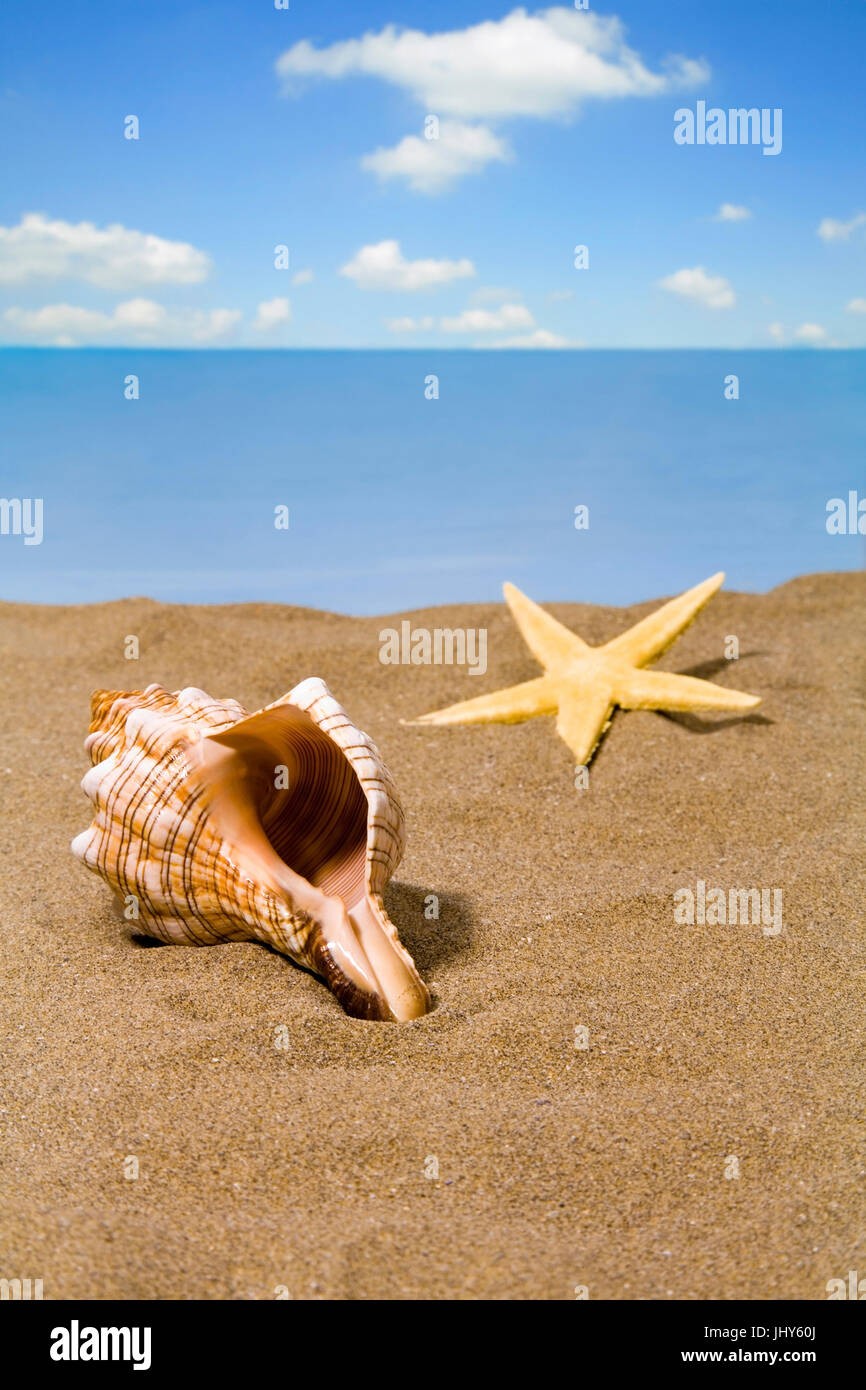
(282, 826)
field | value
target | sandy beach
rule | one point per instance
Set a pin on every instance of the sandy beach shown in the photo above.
(706, 1144)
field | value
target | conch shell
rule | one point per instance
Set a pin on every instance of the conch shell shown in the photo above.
(282, 826)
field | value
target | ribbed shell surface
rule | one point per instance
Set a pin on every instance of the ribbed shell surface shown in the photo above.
(154, 837)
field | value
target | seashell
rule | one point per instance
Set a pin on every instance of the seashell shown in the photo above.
(282, 826)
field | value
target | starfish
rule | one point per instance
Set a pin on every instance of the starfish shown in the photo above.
(582, 684)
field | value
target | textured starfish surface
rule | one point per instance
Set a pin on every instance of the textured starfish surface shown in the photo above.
(582, 684)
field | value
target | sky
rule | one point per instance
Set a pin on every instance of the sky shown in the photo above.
(307, 129)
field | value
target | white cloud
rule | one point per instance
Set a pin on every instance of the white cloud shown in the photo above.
(140, 321)
(469, 321)
(506, 319)
(732, 212)
(811, 333)
(302, 277)
(541, 338)
(432, 166)
(112, 257)
(712, 291)
(489, 320)
(542, 64)
(410, 325)
(856, 306)
(383, 267)
(271, 313)
(831, 230)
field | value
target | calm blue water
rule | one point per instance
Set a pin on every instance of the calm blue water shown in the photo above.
(396, 501)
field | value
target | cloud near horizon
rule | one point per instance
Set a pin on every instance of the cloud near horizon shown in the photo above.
(711, 291)
(499, 320)
(271, 313)
(142, 322)
(810, 333)
(829, 229)
(540, 338)
(732, 212)
(505, 319)
(507, 316)
(384, 267)
(113, 257)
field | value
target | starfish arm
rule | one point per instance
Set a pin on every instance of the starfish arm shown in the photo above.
(507, 706)
(549, 642)
(581, 721)
(647, 640)
(659, 690)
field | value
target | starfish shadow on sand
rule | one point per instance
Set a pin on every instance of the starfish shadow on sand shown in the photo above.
(704, 670)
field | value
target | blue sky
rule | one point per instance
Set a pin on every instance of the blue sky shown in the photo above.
(555, 129)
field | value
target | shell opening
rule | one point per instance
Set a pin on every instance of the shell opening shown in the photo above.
(304, 793)
(290, 800)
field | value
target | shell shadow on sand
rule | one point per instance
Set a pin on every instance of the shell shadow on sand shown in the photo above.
(431, 941)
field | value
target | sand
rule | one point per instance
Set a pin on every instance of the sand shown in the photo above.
(312, 1170)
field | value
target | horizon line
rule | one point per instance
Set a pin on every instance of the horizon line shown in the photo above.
(383, 347)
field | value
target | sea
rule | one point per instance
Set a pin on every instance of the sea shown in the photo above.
(379, 481)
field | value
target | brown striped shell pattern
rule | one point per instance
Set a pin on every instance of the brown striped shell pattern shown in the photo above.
(282, 826)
